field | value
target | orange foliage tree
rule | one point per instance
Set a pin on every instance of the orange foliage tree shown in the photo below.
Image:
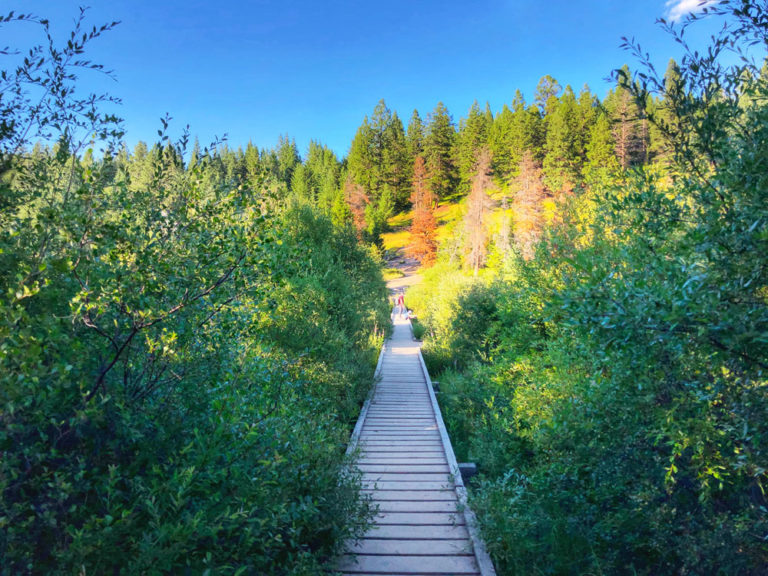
(423, 245)
(357, 199)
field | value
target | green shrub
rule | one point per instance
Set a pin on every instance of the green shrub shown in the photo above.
(180, 362)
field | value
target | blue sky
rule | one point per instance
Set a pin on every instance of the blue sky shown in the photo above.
(313, 69)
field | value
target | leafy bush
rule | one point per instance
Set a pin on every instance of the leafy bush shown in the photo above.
(179, 362)
(418, 329)
(615, 398)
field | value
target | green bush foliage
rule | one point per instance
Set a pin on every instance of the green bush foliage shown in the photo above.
(181, 355)
(613, 387)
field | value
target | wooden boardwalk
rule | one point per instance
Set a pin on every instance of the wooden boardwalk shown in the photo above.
(409, 469)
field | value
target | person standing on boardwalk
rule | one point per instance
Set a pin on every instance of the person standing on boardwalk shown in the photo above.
(401, 304)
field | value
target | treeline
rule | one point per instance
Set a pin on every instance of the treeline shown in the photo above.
(561, 137)
(183, 348)
(605, 365)
(566, 136)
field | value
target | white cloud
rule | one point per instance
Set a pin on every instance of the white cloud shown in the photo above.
(677, 9)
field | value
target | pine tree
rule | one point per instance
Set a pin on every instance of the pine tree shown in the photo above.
(254, 171)
(377, 214)
(529, 191)
(378, 158)
(323, 168)
(472, 136)
(415, 136)
(301, 183)
(500, 143)
(438, 151)
(423, 226)
(478, 208)
(341, 213)
(287, 159)
(662, 112)
(601, 148)
(562, 164)
(361, 164)
(547, 93)
(629, 127)
(396, 162)
(587, 112)
(195, 155)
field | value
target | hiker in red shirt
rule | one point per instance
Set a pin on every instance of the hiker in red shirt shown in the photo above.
(401, 304)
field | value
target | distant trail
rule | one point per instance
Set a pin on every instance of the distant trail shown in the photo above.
(409, 267)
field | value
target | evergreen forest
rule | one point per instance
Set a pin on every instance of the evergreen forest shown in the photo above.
(188, 331)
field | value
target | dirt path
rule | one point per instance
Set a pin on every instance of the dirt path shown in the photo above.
(409, 267)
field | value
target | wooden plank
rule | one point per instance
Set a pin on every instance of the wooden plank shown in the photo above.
(406, 460)
(413, 485)
(397, 450)
(396, 564)
(396, 416)
(376, 434)
(417, 506)
(423, 496)
(399, 424)
(413, 436)
(411, 506)
(378, 445)
(406, 477)
(412, 547)
(420, 518)
(399, 468)
(418, 532)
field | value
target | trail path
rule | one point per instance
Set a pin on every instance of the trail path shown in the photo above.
(409, 267)
(410, 471)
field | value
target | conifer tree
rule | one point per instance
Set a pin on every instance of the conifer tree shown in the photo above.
(361, 163)
(587, 108)
(377, 214)
(472, 136)
(254, 171)
(547, 93)
(423, 226)
(513, 132)
(601, 148)
(529, 192)
(323, 168)
(396, 161)
(301, 183)
(378, 158)
(438, 150)
(629, 127)
(562, 165)
(661, 111)
(415, 135)
(500, 143)
(194, 156)
(478, 208)
(341, 213)
(287, 158)
(328, 192)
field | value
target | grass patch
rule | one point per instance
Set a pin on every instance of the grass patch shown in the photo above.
(392, 273)
(401, 220)
(396, 240)
(418, 329)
